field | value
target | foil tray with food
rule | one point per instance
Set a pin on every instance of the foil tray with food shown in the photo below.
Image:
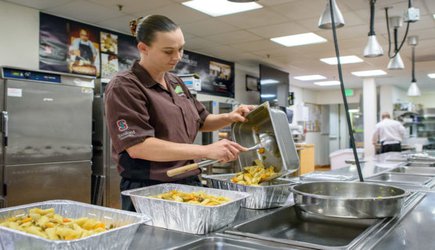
(38, 226)
(184, 208)
(270, 194)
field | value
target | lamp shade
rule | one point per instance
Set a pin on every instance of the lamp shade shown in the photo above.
(373, 48)
(414, 90)
(396, 63)
(325, 19)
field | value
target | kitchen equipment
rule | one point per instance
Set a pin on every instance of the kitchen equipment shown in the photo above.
(189, 218)
(46, 136)
(426, 171)
(264, 122)
(268, 195)
(126, 224)
(267, 143)
(349, 199)
(105, 176)
(215, 242)
(399, 178)
(290, 225)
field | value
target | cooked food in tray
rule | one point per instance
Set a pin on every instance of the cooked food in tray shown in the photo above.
(199, 198)
(47, 224)
(254, 175)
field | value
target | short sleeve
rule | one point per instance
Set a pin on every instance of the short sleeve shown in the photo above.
(127, 115)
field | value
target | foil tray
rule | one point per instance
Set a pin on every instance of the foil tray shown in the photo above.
(126, 224)
(189, 218)
(269, 195)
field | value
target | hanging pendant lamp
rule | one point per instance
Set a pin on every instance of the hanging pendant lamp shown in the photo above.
(413, 89)
(396, 62)
(325, 19)
(373, 48)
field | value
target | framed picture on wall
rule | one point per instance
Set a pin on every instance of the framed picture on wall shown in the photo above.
(252, 83)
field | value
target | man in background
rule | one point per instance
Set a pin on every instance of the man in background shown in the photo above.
(389, 133)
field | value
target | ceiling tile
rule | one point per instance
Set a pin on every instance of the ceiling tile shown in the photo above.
(234, 37)
(130, 6)
(120, 24)
(282, 29)
(40, 4)
(177, 12)
(254, 18)
(89, 12)
(208, 27)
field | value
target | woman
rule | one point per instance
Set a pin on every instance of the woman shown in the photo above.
(153, 118)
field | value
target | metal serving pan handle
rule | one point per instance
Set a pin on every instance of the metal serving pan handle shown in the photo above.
(190, 167)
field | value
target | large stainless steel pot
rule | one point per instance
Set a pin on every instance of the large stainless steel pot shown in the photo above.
(349, 199)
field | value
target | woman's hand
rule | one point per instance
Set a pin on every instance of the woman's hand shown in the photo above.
(224, 150)
(239, 114)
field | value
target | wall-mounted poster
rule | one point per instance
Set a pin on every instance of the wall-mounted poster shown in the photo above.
(109, 54)
(83, 49)
(53, 43)
(127, 52)
(217, 76)
(73, 47)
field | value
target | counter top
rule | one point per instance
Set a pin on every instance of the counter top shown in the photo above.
(413, 230)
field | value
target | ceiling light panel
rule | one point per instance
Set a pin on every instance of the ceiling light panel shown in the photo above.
(367, 73)
(309, 77)
(268, 81)
(299, 39)
(220, 7)
(431, 75)
(327, 83)
(343, 60)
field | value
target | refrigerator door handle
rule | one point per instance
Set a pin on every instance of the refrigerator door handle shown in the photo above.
(5, 122)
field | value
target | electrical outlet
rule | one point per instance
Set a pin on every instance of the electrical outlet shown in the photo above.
(411, 15)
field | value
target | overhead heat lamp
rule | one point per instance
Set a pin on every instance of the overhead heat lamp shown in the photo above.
(396, 61)
(325, 19)
(413, 89)
(373, 48)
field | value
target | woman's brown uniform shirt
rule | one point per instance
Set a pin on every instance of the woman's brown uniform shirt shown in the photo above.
(138, 107)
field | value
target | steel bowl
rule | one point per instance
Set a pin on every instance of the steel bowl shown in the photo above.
(349, 199)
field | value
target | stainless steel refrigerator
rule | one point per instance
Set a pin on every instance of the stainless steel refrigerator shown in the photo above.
(46, 127)
(105, 176)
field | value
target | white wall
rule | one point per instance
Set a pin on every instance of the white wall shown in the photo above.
(19, 44)
(335, 97)
(426, 99)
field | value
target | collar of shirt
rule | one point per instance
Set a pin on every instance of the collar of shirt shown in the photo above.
(145, 77)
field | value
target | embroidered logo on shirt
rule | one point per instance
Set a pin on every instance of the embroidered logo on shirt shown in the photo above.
(179, 91)
(122, 125)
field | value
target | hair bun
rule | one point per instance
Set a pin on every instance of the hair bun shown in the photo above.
(133, 26)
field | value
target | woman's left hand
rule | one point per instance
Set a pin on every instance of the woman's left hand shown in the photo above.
(239, 114)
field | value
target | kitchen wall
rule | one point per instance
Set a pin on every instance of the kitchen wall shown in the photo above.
(20, 48)
(20, 36)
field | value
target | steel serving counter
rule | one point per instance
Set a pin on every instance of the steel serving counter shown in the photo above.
(412, 229)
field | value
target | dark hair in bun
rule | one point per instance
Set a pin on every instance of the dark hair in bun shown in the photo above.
(145, 28)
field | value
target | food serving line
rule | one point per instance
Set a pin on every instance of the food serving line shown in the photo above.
(326, 210)
(286, 228)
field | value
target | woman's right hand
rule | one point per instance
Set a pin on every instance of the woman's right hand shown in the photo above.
(224, 150)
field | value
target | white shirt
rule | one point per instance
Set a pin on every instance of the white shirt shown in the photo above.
(389, 132)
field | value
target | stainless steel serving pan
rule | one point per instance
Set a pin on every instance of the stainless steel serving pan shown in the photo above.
(349, 199)
(272, 122)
